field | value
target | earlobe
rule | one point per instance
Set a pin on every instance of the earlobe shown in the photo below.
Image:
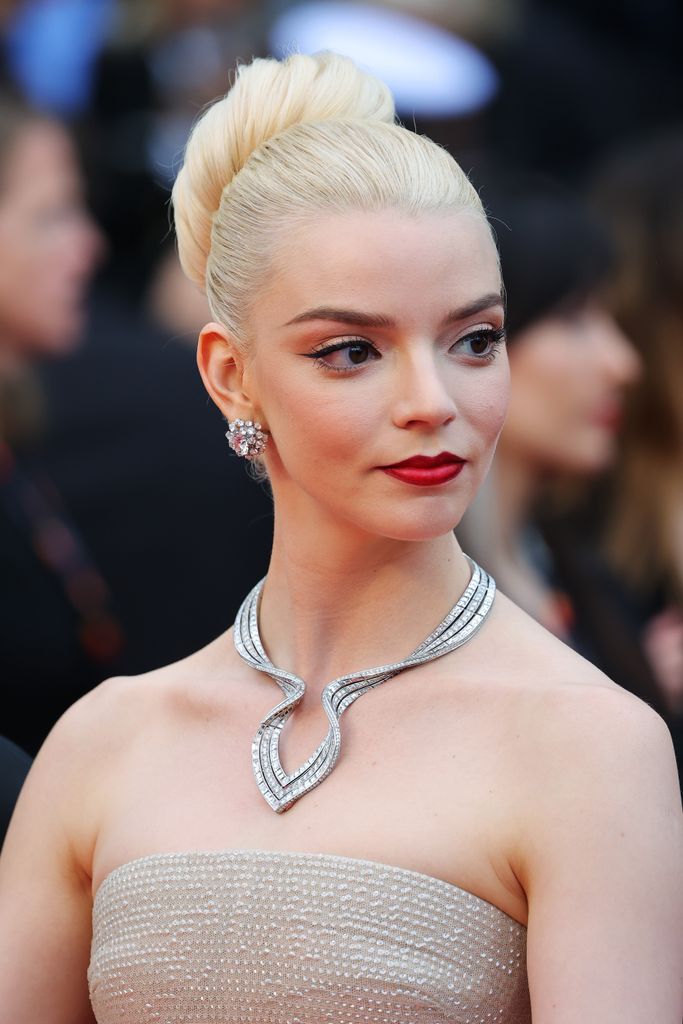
(222, 369)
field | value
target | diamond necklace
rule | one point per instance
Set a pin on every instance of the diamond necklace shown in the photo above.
(281, 789)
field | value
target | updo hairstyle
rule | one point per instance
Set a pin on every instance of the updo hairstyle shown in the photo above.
(291, 139)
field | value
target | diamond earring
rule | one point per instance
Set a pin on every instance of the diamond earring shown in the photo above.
(246, 438)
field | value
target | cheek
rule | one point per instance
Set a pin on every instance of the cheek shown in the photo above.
(545, 387)
(484, 403)
(22, 306)
(318, 429)
(29, 269)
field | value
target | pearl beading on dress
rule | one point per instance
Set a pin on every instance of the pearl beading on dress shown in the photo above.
(273, 937)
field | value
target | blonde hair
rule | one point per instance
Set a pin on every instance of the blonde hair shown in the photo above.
(292, 138)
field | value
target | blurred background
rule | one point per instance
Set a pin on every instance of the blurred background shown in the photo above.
(128, 536)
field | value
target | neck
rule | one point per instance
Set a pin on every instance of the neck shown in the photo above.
(12, 362)
(511, 492)
(338, 600)
(517, 484)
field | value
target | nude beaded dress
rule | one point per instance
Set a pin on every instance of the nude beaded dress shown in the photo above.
(261, 937)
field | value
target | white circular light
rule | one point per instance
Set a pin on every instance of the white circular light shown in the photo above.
(429, 71)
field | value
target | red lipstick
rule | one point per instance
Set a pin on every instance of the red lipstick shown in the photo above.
(426, 470)
(609, 417)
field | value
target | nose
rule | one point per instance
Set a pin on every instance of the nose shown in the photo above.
(421, 397)
(93, 245)
(84, 246)
(619, 359)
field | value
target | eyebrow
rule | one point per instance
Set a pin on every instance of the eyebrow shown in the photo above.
(359, 319)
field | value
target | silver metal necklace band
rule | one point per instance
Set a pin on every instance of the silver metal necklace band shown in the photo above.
(281, 789)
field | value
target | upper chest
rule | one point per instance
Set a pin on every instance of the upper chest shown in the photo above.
(424, 780)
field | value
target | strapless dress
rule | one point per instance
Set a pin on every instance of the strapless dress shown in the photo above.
(263, 937)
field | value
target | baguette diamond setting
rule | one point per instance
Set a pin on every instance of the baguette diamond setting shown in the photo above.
(281, 789)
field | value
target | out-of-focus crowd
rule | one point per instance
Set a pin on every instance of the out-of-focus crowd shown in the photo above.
(128, 536)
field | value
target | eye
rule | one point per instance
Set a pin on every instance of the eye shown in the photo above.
(483, 343)
(345, 355)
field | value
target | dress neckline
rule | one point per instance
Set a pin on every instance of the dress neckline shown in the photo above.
(306, 855)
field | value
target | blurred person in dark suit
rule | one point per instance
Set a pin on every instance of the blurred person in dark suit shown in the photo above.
(579, 78)
(163, 61)
(14, 766)
(58, 635)
(177, 526)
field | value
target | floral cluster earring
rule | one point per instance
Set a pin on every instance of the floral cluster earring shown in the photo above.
(246, 438)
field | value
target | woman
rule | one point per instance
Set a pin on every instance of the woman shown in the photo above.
(477, 843)
(58, 637)
(571, 369)
(641, 196)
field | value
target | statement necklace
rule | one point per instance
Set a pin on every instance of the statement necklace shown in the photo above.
(281, 789)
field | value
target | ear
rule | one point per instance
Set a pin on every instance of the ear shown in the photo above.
(222, 366)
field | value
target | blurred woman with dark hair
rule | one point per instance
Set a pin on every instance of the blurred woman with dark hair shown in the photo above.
(571, 366)
(57, 634)
(641, 196)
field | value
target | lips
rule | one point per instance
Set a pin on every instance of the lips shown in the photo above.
(426, 470)
(610, 417)
(426, 461)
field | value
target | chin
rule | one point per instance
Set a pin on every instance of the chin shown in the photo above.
(420, 525)
(57, 345)
(595, 458)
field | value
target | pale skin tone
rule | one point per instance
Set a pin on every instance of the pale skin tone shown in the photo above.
(49, 246)
(509, 768)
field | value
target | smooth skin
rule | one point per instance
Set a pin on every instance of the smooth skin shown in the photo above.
(570, 375)
(511, 768)
(49, 246)
(570, 372)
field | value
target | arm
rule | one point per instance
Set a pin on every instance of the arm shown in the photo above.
(45, 903)
(603, 864)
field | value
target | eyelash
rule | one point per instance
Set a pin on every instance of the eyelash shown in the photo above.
(495, 337)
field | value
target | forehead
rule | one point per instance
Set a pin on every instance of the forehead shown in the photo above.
(40, 162)
(386, 262)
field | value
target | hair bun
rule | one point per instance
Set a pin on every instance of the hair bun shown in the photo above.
(268, 97)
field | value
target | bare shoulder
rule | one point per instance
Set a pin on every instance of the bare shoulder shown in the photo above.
(597, 841)
(533, 659)
(559, 686)
(584, 749)
(121, 708)
(571, 725)
(47, 857)
(90, 742)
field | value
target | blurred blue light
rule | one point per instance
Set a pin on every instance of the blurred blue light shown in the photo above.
(51, 49)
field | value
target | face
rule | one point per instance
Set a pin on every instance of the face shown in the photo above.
(48, 244)
(569, 375)
(379, 340)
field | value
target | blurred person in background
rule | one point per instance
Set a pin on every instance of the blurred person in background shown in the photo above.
(640, 193)
(161, 63)
(138, 456)
(58, 635)
(14, 766)
(141, 458)
(559, 121)
(130, 77)
(571, 368)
